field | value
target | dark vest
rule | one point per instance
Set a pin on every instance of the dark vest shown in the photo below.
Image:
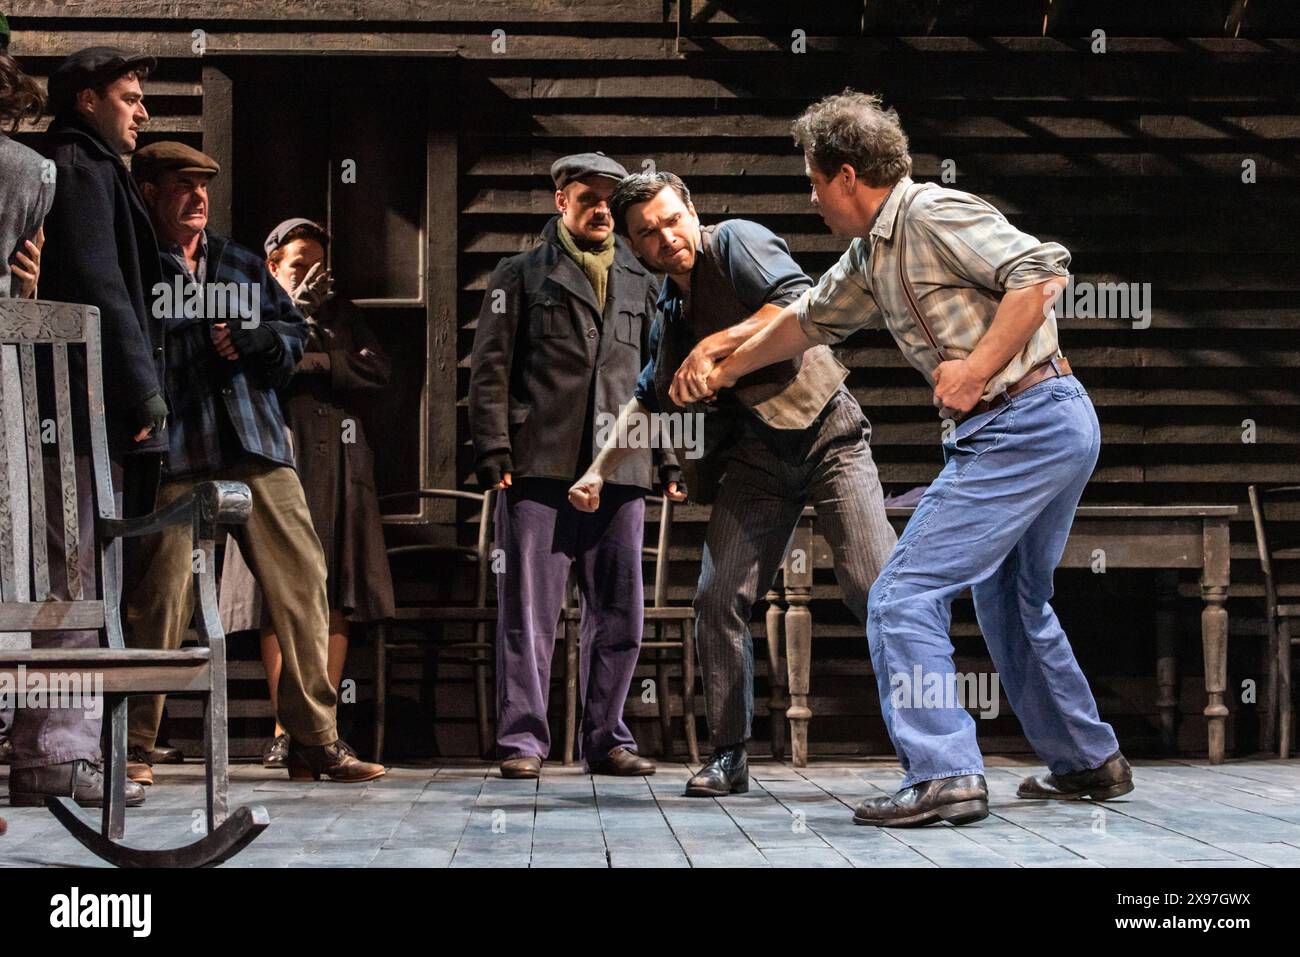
(784, 395)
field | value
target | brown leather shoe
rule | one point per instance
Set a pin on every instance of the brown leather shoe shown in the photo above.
(522, 767)
(166, 756)
(138, 766)
(624, 763)
(962, 799)
(1111, 779)
(79, 780)
(336, 761)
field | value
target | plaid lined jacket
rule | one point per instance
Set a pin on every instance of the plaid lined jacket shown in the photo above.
(223, 410)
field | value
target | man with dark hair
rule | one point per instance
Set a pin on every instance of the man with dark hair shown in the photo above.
(562, 334)
(968, 298)
(100, 251)
(787, 436)
(234, 337)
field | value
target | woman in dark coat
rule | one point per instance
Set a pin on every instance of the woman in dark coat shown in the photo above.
(335, 463)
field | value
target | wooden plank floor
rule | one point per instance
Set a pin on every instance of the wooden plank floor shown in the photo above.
(1244, 813)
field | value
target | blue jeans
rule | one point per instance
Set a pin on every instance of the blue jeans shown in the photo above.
(995, 520)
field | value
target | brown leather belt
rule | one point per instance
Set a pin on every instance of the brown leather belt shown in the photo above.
(1045, 370)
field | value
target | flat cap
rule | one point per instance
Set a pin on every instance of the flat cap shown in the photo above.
(90, 67)
(303, 228)
(581, 165)
(155, 158)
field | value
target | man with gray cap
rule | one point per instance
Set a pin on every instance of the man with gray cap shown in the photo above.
(99, 250)
(562, 335)
(233, 338)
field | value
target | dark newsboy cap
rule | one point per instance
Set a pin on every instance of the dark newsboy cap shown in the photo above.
(90, 67)
(155, 158)
(296, 228)
(581, 165)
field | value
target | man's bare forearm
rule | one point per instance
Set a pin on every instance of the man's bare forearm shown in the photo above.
(781, 338)
(722, 344)
(614, 453)
(1019, 315)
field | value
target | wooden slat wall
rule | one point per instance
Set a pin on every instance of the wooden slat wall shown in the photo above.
(1131, 158)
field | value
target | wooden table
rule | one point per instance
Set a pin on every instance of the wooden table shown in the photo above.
(1172, 537)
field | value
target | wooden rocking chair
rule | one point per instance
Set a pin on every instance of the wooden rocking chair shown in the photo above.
(27, 328)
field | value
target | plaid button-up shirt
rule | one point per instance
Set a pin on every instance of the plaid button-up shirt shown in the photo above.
(962, 255)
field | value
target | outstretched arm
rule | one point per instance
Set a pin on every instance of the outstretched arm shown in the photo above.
(782, 338)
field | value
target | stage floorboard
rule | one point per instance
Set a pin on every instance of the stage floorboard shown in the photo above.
(1244, 813)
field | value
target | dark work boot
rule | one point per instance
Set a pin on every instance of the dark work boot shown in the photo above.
(727, 772)
(79, 780)
(962, 799)
(1111, 779)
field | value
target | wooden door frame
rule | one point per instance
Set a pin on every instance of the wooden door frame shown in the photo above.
(440, 253)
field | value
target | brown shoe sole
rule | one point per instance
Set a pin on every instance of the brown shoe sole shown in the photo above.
(37, 799)
(306, 774)
(615, 773)
(521, 774)
(1093, 794)
(962, 812)
(139, 773)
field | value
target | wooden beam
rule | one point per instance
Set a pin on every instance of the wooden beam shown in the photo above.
(383, 11)
(218, 142)
(441, 272)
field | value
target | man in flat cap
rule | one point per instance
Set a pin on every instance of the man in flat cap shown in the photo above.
(99, 250)
(562, 335)
(233, 338)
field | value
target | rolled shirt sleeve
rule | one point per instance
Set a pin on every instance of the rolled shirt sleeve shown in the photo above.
(840, 303)
(977, 243)
(759, 265)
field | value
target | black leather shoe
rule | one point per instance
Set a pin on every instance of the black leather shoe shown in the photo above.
(624, 763)
(166, 756)
(525, 767)
(276, 754)
(958, 800)
(79, 780)
(727, 772)
(1113, 778)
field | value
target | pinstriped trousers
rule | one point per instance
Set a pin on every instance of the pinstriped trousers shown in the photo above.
(770, 476)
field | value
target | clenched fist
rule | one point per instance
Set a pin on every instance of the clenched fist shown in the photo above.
(584, 495)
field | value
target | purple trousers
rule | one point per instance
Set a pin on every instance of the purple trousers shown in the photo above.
(542, 537)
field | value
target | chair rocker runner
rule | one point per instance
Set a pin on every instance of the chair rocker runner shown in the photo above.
(28, 328)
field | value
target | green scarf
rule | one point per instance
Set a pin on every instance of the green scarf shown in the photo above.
(594, 262)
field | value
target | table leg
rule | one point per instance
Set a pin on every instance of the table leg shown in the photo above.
(776, 702)
(1167, 658)
(1214, 631)
(798, 638)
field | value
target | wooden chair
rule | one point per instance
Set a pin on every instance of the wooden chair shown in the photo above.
(659, 616)
(1274, 557)
(477, 652)
(29, 328)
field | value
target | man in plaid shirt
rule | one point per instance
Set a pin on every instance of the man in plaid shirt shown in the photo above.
(968, 297)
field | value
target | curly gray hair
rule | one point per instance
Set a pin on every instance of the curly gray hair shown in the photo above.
(854, 128)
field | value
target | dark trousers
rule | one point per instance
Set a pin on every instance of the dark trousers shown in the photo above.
(770, 476)
(542, 537)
